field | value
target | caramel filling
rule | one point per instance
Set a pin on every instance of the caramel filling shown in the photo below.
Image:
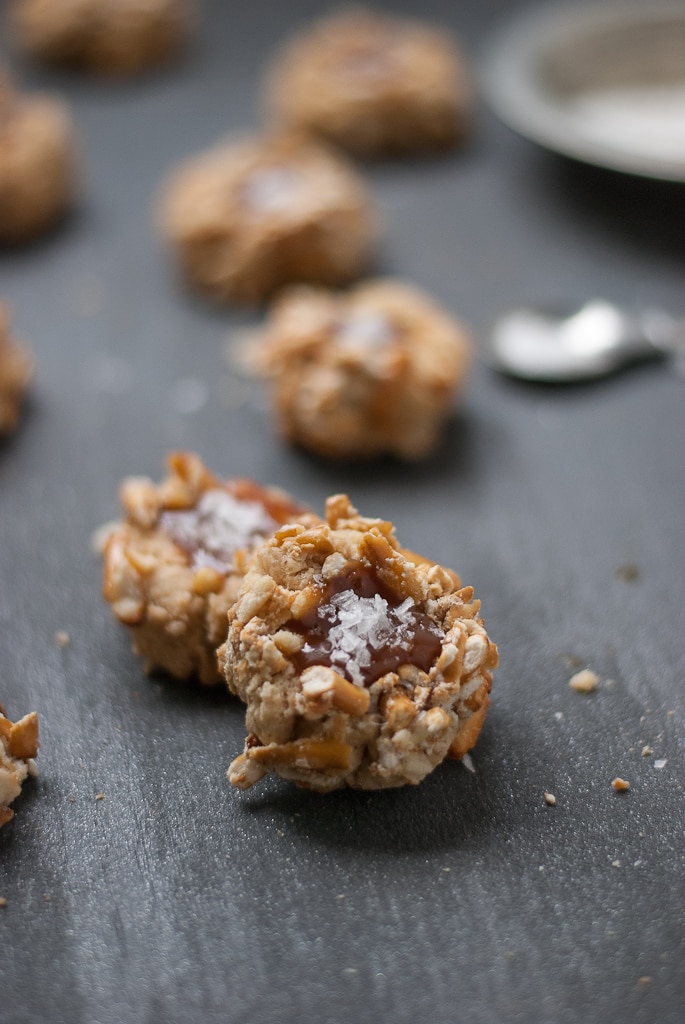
(363, 629)
(217, 527)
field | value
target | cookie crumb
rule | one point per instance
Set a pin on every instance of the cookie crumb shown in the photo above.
(62, 638)
(628, 572)
(646, 750)
(620, 785)
(550, 799)
(100, 796)
(3, 901)
(584, 681)
(645, 981)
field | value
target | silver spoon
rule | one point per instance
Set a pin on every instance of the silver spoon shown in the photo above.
(591, 342)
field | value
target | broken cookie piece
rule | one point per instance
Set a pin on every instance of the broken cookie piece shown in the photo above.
(369, 372)
(371, 83)
(18, 748)
(16, 370)
(101, 36)
(361, 664)
(173, 567)
(247, 217)
(37, 163)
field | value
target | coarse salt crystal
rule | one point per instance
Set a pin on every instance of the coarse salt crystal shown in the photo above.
(364, 625)
(217, 527)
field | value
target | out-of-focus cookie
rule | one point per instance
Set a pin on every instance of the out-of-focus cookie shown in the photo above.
(108, 37)
(38, 156)
(247, 217)
(369, 372)
(16, 370)
(361, 664)
(173, 567)
(18, 748)
(372, 83)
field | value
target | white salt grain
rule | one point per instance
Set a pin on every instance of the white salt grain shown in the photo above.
(217, 527)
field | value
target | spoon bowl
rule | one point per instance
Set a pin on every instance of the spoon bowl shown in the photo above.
(581, 345)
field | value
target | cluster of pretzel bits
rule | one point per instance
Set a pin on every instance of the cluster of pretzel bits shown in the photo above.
(360, 663)
(18, 748)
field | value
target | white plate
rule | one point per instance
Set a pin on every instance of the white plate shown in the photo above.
(604, 83)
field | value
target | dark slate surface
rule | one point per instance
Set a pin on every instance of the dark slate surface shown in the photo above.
(176, 899)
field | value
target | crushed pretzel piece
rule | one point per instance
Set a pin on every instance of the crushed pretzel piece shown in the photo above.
(584, 681)
(18, 748)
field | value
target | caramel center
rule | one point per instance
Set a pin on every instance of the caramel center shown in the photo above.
(363, 629)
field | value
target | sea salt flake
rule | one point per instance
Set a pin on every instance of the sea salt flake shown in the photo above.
(366, 328)
(272, 189)
(217, 527)
(362, 626)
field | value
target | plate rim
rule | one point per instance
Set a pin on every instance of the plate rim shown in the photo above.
(510, 87)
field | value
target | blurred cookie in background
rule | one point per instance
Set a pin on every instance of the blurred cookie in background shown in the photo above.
(369, 372)
(107, 37)
(38, 162)
(373, 84)
(247, 217)
(16, 370)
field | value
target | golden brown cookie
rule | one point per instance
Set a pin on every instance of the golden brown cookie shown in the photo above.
(247, 217)
(16, 370)
(109, 37)
(369, 372)
(173, 567)
(361, 665)
(18, 748)
(371, 83)
(37, 163)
